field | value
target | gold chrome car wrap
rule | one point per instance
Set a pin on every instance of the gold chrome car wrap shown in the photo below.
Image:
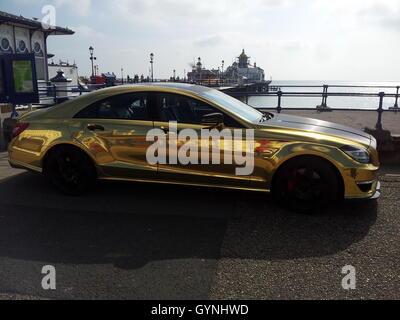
(119, 152)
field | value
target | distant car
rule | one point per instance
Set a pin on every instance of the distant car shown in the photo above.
(303, 162)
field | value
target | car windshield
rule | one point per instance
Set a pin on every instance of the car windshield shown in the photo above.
(241, 109)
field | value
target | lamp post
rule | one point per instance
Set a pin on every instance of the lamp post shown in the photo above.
(222, 69)
(92, 58)
(151, 63)
(122, 75)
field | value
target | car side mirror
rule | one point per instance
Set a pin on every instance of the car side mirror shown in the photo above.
(213, 119)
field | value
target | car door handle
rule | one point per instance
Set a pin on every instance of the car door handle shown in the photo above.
(166, 130)
(95, 127)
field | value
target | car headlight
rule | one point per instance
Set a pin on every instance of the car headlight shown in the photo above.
(357, 153)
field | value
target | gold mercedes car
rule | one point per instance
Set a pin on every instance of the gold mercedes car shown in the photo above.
(303, 162)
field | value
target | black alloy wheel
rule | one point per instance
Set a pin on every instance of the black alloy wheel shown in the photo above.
(70, 170)
(306, 185)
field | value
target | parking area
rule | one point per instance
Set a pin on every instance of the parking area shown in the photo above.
(146, 241)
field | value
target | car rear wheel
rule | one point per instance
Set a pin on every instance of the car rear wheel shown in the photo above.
(306, 185)
(69, 169)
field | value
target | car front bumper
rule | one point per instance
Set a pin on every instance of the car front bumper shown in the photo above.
(377, 192)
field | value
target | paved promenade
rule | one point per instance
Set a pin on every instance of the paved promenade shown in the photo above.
(145, 241)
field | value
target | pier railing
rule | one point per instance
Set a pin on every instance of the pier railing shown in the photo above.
(322, 92)
(53, 94)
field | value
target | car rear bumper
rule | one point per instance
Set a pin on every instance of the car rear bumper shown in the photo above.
(20, 165)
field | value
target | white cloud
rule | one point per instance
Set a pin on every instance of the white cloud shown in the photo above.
(87, 32)
(292, 45)
(206, 13)
(79, 7)
(384, 13)
(209, 41)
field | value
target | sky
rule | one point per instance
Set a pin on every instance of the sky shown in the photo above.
(351, 40)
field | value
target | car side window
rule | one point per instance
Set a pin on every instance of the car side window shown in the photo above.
(174, 107)
(129, 106)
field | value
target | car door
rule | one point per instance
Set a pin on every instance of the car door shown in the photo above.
(187, 113)
(114, 131)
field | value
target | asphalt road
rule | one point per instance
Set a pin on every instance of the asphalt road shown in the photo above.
(145, 241)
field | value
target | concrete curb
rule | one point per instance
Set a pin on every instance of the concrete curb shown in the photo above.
(388, 146)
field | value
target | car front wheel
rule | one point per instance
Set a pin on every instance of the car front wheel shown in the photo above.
(306, 185)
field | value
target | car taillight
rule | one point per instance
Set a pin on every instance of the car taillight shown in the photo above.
(19, 128)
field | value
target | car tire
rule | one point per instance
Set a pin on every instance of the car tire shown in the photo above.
(306, 185)
(70, 170)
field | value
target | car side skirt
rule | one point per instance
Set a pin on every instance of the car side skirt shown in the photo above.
(185, 184)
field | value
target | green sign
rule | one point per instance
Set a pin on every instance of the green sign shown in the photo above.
(22, 72)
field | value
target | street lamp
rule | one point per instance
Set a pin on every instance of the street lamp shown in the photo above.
(152, 62)
(92, 58)
(222, 69)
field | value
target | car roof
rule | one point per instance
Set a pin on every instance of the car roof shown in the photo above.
(70, 107)
(192, 88)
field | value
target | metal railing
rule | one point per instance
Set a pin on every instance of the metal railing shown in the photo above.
(53, 94)
(279, 92)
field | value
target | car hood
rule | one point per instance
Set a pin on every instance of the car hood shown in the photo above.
(318, 126)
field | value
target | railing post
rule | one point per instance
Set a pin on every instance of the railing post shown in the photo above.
(380, 111)
(324, 96)
(396, 105)
(55, 93)
(279, 107)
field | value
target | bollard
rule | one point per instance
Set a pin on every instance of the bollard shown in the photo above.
(54, 92)
(60, 86)
(5, 112)
(380, 111)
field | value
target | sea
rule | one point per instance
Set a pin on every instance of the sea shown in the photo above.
(367, 103)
